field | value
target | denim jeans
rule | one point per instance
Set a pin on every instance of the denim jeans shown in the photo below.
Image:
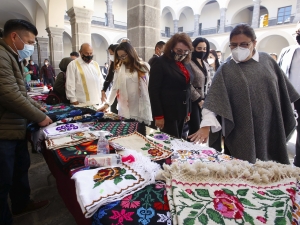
(14, 165)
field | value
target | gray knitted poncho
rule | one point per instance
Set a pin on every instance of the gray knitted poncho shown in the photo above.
(254, 98)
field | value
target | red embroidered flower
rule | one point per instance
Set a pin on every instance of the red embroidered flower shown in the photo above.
(261, 192)
(261, 219)
(121, 216)
(189, 191)
(162, 206)
(107, 174)
(127, 202)
(292, 193)
(229, 206)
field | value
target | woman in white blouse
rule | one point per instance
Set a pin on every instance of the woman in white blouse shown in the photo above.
(130, 85)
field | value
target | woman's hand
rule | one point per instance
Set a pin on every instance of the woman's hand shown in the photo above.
(103, 96)
(160, 123)
(201, 103)
(103, 108)
(200, 136)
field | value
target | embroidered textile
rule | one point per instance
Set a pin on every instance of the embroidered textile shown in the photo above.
(70, 140)
(63, 130)
(161, 139)
(101, 186)
(188, 152)
(233, 192)
(147, 206)
(140, 144)
(115, 128)
(73, 156)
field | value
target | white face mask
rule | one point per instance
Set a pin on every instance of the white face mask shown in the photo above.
(46, 63)
(32, 63)
(240, 54)
(210, 61)
(111, 58)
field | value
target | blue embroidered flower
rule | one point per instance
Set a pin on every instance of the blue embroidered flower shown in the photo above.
(145, 215)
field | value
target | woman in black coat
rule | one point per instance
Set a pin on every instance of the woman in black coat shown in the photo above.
(169, 86)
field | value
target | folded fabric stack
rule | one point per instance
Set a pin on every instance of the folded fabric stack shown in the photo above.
(139, 143)
(233, 192)
(73, 156)
(102, 186)
(70, 140)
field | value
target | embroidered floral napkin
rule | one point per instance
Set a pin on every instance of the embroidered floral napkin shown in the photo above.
(139, 143)
(101, 186)
(233, 192)
(161, 139)
(184, 151)
(70, 140)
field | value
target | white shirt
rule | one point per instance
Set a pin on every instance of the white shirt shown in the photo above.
(84, 82)
(209, 117)
(132, 87)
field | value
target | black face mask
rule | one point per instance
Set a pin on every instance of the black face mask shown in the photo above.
(298, 39)
(199, 55)
(87, 59)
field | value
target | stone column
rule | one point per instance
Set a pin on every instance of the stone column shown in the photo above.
(297, 15)
(175, 26)
(56, 46)
(222, 20)
(143, 27)
(256, 14)
(80, 19)
(43, 47)
(109, 12)
(196, 25)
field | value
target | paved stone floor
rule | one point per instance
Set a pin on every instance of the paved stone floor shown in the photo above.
(56, 213)
(42, 188)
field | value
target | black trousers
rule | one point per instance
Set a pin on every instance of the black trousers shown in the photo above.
(173, 127)
(14, 165)
(195, 118)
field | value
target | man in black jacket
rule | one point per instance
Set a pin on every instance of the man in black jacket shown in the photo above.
(159, 50)
(35, 70)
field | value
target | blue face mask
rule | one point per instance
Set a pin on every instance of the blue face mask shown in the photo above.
(26, 52)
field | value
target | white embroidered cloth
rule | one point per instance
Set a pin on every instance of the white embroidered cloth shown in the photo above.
(63, 130)
(101, 186)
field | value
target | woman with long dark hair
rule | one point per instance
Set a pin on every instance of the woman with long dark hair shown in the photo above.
(169, 87)
(253, 97)
(130, 85)
(201, 81)
(213, 62)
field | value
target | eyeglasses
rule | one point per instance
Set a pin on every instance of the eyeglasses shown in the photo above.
(122, 57)
(182, 52)
(243, 45)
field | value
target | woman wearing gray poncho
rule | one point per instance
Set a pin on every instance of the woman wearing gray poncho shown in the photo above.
(253, 96)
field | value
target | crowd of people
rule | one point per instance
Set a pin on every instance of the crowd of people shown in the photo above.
(242, 104)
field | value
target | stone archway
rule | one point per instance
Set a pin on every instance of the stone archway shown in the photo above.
(212, 46)
(167, 21)
(209, 11)
(100, 45)
(272, 44)
(186, 21)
